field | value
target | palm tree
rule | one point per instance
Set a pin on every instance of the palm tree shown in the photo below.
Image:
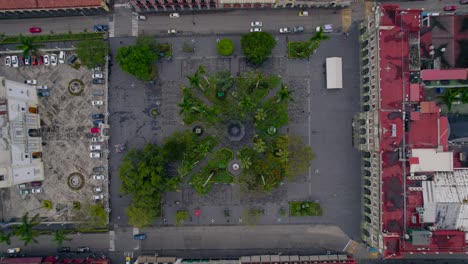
(246, 103)
(60, 236)
(26, 231)
(28, 46)
(284, 94)
(259, 145)
(5, 238)
(245, 163)
(283, 155)
(202, 71)
(260, 115)
(449, 97)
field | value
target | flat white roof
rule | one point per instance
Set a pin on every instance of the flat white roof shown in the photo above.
(429, 160)
(334, 73)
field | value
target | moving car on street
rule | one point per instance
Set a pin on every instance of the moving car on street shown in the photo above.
(298, 29)
(35, 30)
(100, 28)
(303, 13)
(141, 18)
(171, 31)
(256, 24)
(256, 29)
(174, 15)
(284, 30)
(450, 8)
(139, 237)
(13, 250)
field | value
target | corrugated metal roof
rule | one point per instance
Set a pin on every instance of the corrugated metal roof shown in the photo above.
(449, 74)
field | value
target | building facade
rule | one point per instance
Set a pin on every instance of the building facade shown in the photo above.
(189, 5)
(51, 8)
(415, 184)
(21, 145)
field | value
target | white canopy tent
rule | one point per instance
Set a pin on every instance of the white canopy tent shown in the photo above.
(334, 73)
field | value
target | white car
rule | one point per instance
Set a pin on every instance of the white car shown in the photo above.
(62, 56)
(284, 30)
(98, 196)
(97, 102)
(256, 30)
(95, 139)
(256, 24)
(327, 28)
(37, 190)
(97, 75)
(8, 61)
(53, 59)
(171, 31)
(95, 147)
(46, 60)
(31, 82)
(13, 250)
(174, 15)
(141, 18)
(97, 189)
(95, 155)
(98, 177)
(14, 61)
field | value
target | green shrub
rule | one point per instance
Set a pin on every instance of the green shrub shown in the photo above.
(305, 209)
(47, 204)
(181, 217)
(76, 205)
(225, 47)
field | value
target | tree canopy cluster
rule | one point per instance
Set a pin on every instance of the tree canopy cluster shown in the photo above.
(257, 46)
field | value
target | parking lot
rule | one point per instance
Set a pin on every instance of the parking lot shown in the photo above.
(66, 107)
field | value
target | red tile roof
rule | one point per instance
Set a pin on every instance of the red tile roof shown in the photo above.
(47, 4)
(423, 132)
(415, 92)
(450, 74)
(429, 107)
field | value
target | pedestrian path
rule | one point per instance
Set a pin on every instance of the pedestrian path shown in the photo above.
(134, 25)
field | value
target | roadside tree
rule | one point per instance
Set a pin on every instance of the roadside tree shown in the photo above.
(25, 231)
(28, 46)
(257, 46)
(5, 237)
(92, 53)
(225, 47)
(60, 236)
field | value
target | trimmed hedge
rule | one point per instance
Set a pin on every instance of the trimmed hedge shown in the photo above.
(55, 37)
(225, 47)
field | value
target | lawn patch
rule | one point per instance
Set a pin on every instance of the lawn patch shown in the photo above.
(305, 209)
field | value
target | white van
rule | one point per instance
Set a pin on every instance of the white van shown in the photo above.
(62, 56)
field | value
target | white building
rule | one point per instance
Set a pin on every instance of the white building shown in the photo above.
(20, 145)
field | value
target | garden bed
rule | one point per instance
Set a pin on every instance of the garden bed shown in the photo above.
(302, 49)
(216, 166)
(305, 209)
(56, 37)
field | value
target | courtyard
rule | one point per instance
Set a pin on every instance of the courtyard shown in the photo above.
(65, 116)
(319, 117)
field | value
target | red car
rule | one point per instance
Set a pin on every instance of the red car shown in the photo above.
(35, 30)
(34, 60)
(41, 60)
(450, 8)
(94, 130)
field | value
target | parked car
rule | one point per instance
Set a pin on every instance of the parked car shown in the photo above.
(255, 30)
(95, 147)
(95, 155)
(98, 177)
(46, 60)
(8, 61)
(98, 92)
(99, 81)
(171, 31)
(298, 29)
(98, 197)
(82, 249)
(43, 87)
(99, 169)
(97, 75)
(35, 30)
(97, 103)
(174, 15)
(25, 191)
(97, 189)
(94, 130)
(37, 190)
(98, 121)
(327, 28)
(64, 249)
(62, 56)
(22, 186)
(256, 24)
(27, 60)
(141, 18)
(53, 59)
(14, 61)
(43, 93)
(33, 61)
(99, 28)
(97, 116)
(36, 184)
(13, 250)
(31, 82)
(139, 237)
(303, 13)
(40, 60)
(284, 30)
(96, 139)
(72, 59)
(450, 8)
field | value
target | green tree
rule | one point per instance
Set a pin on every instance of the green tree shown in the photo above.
(140, 216)
(93, 216)
(284, 94)
(28, 46)
(257, 46)
(225, 47)
(259, 145)
(60, 236)
(181, 217)
(25, 231)
(319, 36)
(137, 60)
(92, 53)
(450, 96)
(5, 237)
(260, 115)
